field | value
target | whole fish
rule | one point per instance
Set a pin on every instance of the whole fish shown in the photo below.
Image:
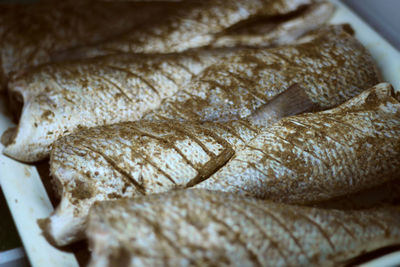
(205, 228)
(139, 158)
(30, 33)
(237, 82)
(193, 25)
(313, 157)
(59, 98)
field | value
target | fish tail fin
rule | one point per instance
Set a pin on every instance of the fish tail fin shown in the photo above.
(292, 101)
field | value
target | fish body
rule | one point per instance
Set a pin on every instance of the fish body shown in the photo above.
(31, 33)
(236, 87)
(195, 227)
(279, 31)
(193, 25)
(223, 86)
(318, 156)
(279, 161)
(167, 152)
(96, 92)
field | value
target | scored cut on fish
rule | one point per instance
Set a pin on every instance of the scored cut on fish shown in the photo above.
(240, 82)
(209, 228)
(318, 156)
(188, 154)
(332, 60)
(59, 98)
(139, 158)
(33, 34)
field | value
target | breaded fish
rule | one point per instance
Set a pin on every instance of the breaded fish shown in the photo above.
(30, 33)
(242, 80)
(206, 228)
(314, 157)
(139, 158)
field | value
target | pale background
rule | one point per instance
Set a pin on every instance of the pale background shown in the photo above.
(382, 15)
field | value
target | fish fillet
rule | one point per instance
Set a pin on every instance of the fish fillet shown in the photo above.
(30, 33)
(139, 158)
(314, 157)
(94, 94)
(205, 228)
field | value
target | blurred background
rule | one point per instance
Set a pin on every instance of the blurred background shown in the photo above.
(382, 15)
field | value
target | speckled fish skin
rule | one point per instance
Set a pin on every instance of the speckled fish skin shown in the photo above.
(131, 159)
(29, 33)
(332, 61)
(96, 92)
(192, 26)
(225, 90)
(205, 228)
(313, 157)
(277, 33)
(138, 158)
(105, 162)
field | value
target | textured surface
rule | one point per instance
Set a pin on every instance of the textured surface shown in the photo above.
(58, 98)
(12, 169)
(37, 33)
(194, 25)
(283, 161)
(194, 227)
(276, 31)
(318, 156)
(30, 33)
(329, 63)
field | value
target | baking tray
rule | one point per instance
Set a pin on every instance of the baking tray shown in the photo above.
(28, 200)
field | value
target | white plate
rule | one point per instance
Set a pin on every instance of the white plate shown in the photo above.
(28, 200)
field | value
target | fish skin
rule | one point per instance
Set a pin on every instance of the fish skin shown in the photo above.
(277, 33)
(91, 157)
(96, 92)
(318, 156)
(209, 228)
(276, 69)
(139, 158)
(193, 26)
(131, 159)
(29, 33)
(331, 61)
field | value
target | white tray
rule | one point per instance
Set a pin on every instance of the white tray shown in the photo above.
(28, 200)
